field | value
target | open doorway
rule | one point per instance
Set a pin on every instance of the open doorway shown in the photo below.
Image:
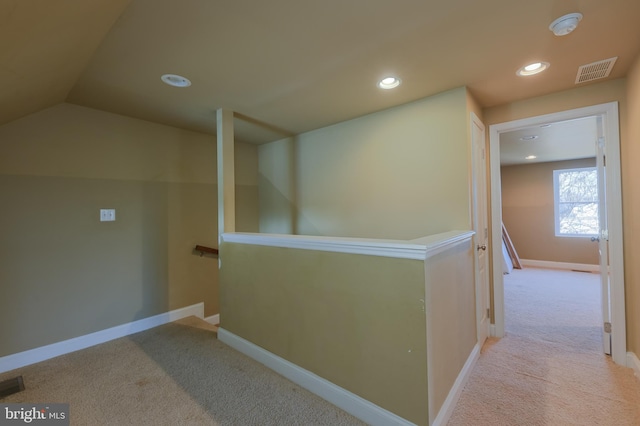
(550, 208)
(604, 118)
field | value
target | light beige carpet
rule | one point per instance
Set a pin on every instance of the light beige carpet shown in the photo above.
(175, 374)
(549, 369)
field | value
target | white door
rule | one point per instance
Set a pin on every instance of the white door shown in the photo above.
(603, 240)
(481, 238)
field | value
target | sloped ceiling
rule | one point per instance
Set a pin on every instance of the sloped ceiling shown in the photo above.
(296, 65)
(44, 48)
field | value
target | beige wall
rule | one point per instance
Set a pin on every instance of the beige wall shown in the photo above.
(627, 93)
(401, 173)
(451, 318)
(64, 273)
(472, 107)
(246, 180)
(528, 213)
(631, 206)
(396, 332)
(355, 320)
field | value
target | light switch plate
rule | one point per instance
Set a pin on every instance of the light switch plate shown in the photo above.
(107, 215)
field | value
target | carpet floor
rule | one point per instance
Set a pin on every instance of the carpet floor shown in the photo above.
(549, 369)
(175, 374)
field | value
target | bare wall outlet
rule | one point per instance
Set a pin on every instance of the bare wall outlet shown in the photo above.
(107, 215)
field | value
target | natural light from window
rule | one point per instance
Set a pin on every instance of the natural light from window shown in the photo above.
(576, 202)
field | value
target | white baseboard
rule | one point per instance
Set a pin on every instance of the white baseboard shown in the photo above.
(342, 398)
(454, 394)
(560, 265)
(633, 362)
(213, 319)
(492, 330)
(21, 359)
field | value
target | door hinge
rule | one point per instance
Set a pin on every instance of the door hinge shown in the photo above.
(607, 327)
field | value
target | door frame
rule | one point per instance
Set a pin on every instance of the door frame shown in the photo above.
(609, 113)
(482, 283)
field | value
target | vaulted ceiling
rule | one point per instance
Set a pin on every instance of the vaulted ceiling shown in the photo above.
(297, 65)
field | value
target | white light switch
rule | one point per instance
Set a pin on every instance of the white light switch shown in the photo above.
(107, 215)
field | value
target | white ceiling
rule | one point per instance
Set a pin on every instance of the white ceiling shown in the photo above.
(565, 140)
(296, 65)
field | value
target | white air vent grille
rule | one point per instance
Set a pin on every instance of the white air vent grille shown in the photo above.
(595, 70)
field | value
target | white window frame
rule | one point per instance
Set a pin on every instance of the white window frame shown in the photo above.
(556, 202)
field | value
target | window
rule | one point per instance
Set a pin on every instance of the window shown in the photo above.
(576, 202)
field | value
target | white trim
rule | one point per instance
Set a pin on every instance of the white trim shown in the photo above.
(560, 265)
(497, 328)
(633, 362)
(616, 238)
(492, 330)
(609, 111)
(418, 249)
(480, 213)
(454, 394)
(441, 242)
(213, 319)
(32, 356)
(557, 202)
(342, 398)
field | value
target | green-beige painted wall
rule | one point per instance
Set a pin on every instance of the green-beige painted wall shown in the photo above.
(631, 208)
(63, 272)
(401, 173)
(396, 332)
(358, 321)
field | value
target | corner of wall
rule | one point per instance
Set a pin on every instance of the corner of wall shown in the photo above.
(58, 168)
(631, 208)
(473, 105)
(634, 363)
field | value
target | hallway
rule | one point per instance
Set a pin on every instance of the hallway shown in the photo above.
(549, 368)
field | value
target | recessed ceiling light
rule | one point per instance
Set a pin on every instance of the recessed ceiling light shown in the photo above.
(565, 24)
(389, 82)
(530, 157)
(176, 80)
(529, 138)
(533, 68)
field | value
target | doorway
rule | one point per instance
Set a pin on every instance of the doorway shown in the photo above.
(613, 278)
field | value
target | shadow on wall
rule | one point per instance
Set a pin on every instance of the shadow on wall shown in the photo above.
(154, 244)
(279, 212)
(70, 274)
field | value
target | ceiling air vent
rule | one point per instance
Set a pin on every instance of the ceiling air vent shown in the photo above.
(595, 70)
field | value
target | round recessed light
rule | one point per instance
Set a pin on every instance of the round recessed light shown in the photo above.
(530, 157)
(533, 68)
(176, 80)
(389, 83)
(565, 24)
(529, 138)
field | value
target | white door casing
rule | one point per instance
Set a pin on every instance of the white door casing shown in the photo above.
(480, 226)
(603, 238)
(609, 114)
